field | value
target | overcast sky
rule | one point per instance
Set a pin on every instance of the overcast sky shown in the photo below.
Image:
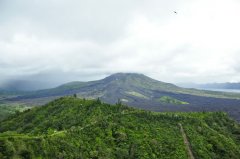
(69, 40)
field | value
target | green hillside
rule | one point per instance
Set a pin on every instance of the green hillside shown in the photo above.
(10, 109)
(170, 100)
(76, 128)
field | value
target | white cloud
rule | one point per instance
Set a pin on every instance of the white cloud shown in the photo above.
(89, 39)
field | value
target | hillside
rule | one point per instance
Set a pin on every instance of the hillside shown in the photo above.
(139, 91)
(76, 128)
(120, 84)
(10, 109)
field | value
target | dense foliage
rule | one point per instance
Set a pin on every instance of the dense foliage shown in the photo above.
(77, 128)
(10, 109)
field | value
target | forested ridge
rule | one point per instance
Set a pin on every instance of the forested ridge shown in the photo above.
(77, 128)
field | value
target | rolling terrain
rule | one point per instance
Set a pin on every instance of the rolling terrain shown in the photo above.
(140, 91)
(77, 128)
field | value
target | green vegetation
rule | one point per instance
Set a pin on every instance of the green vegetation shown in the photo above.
(124, 100)
(10, 109)
(77, 128)
(136, 94)
(216, 137)
(170, 100)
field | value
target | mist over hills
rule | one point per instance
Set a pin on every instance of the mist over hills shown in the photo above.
(25, 85)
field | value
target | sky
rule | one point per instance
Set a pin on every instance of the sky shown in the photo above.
(57, 41)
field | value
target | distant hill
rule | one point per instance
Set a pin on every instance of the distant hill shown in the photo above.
(77, 128)
(227, 85)
(221, 85)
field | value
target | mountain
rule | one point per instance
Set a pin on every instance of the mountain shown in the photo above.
(77, 128)
(121, 85)
(139, 91)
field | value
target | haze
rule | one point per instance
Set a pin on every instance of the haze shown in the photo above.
(57, 41)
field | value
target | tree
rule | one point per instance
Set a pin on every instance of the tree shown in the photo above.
(119, 102)
(98, 101)
(75, 95)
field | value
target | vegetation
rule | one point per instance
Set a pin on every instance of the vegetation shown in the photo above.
(133, 93)
(77, 128)
(170, 100)
(10, 109)
(216, 137)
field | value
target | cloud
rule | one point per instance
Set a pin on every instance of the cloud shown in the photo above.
(59, 41)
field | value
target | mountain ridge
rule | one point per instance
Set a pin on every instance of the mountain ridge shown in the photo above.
(128, 82)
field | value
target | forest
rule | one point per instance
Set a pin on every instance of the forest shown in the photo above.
(71, 127)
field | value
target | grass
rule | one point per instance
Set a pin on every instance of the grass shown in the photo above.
(136, 94)
(170, 100)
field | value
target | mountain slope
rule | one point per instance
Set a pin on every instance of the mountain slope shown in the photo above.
(118, 85)
(77, 128)
(139, 91)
